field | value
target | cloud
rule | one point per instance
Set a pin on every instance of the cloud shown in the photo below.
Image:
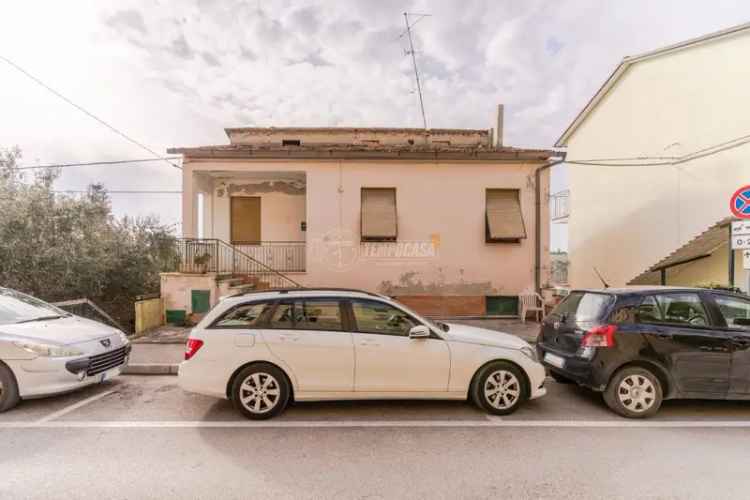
(210, 59)
(128, 20)
(180, 48)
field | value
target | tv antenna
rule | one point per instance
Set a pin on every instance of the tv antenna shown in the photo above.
(411, 52)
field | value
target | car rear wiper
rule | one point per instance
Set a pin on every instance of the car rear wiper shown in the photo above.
(40, 318)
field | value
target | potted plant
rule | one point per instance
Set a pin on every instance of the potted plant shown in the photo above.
(201, 262)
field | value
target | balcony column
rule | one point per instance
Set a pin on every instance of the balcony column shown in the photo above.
(188, 201)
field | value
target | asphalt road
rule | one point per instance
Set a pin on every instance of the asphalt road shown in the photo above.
(142, 437)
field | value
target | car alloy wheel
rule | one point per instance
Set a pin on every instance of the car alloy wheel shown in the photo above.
(636, 393)
(260, 393)
(502, 389)
(499, 387)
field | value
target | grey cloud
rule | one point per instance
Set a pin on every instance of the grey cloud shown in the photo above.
(313, 58)
(128, 19)
(210, 59)
(181, 48)
(306, 20)
(246, 53)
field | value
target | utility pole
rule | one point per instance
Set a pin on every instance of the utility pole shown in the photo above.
(414, 62)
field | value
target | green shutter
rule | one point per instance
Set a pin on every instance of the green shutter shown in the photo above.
(200, 301)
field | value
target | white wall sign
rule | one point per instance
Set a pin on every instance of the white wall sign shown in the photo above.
(746, 259)
(740, 235)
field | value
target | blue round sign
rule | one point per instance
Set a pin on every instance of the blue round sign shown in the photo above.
(740, 203)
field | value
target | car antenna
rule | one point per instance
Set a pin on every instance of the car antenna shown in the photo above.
(606, 285)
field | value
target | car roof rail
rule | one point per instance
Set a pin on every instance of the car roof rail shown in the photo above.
(309, 289)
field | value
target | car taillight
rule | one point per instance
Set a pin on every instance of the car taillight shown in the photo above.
(600, 336)
(192, 347)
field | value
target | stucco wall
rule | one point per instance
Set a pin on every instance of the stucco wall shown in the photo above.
(625, 219)
(441, 245)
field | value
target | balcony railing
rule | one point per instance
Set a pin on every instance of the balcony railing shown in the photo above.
(202, 255)
(284, 256)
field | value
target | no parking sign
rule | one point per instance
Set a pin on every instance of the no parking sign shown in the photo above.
(740, 203)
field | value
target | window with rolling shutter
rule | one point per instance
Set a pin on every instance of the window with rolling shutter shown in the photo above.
(504, 220)
(379, 214)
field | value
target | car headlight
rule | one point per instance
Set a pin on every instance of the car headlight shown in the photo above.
(48, 350)
(124, 339)
(529, 351)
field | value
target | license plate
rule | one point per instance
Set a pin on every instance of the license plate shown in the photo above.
(554, 360)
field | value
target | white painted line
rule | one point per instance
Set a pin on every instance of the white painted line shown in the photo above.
(49, 423)
(73, 407)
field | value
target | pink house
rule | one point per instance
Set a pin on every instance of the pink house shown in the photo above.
(447, 220)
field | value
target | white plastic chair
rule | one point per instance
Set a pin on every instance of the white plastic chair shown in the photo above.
(531, 302)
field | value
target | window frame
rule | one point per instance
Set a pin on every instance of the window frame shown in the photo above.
(487, 233)
(707, 307)
(342, 313)
(722, 323)
(354, 327)
(262, 320)
(377, 239)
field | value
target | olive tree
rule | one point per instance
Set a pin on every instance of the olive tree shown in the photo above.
(61, 247)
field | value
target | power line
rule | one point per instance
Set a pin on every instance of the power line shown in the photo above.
(116, 191)
(91, 115)
(92, 163)
(701, 153)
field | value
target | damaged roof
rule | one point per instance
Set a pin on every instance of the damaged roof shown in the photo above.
(363, 151)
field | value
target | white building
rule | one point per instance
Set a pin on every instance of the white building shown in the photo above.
(666, 142)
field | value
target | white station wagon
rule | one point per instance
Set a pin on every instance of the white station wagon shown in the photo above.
(263, 349)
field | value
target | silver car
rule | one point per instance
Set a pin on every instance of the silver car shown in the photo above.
(45, 350)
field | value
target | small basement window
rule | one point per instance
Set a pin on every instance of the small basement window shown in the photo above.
(503, 216)
(378, 215)
(291, 142)
(502, 305)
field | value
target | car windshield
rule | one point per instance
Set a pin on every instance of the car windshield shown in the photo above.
(582, 307)
(16, 307)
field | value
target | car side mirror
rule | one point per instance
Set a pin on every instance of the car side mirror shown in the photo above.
(419, 332)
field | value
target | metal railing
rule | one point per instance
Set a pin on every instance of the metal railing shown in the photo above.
(284, 256)
(202, 255)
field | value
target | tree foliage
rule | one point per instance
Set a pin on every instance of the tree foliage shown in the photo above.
(60, 247)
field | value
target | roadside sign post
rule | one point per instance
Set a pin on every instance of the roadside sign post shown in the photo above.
(739, 237)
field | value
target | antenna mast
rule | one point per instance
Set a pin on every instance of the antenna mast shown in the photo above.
(414, 61)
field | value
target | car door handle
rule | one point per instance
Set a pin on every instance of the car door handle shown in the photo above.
(741, 340)
(289, 338)
(367, 342)
(663, 335)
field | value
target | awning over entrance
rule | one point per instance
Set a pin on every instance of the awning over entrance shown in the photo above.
(700, 247)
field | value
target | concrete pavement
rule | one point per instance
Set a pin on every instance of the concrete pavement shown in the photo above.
(142, 437)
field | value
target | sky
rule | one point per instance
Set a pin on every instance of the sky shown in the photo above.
(171, 73)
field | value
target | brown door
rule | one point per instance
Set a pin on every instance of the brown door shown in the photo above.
(245, 219)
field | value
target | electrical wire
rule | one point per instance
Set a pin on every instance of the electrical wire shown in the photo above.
(115, 191)
(91, 163)
(701, 153)
(88, 113)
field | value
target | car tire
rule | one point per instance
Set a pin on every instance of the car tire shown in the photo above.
(260, 391)
(634, 392)
(8, 389)
(560, 379)
(500, 388)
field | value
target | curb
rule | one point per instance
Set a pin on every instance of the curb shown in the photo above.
(150, 369)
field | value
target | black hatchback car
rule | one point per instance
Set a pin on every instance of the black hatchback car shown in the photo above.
(639, 346)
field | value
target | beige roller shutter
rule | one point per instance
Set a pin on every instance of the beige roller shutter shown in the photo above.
(379, 214)
(504, 217)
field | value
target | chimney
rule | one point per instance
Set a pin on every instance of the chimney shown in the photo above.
(499, 127)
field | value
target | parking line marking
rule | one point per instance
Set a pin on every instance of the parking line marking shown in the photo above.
(73, 407)
(49, 423)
